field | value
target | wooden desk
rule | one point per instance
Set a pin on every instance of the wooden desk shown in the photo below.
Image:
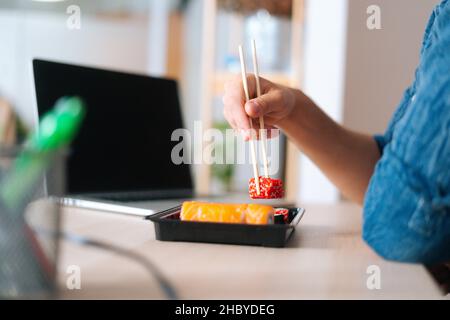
(326, 259)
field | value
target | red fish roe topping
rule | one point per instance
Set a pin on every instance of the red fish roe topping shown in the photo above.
(269, 188)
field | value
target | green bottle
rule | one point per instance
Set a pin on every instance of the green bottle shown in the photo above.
(55, 131)
(24, 267)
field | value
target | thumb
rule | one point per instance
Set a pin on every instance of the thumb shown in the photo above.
(263, 104)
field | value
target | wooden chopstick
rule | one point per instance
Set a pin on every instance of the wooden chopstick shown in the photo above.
(247, 98)
(261, 118)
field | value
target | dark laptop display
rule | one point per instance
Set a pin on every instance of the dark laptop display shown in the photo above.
(124, 146)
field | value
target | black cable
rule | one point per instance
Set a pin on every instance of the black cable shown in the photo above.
(164, 284)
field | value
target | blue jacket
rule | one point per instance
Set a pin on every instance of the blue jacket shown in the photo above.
(407, 204)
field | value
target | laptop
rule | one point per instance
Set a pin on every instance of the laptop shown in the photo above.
(121, 157)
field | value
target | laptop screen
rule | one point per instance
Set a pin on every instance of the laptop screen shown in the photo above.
(124, 144)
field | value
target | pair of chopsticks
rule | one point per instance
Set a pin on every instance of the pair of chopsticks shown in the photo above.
(261, 118)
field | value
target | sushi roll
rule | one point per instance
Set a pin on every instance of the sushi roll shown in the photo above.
(226, 213)
(269, 188)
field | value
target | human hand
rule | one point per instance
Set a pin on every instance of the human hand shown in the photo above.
(275, 104)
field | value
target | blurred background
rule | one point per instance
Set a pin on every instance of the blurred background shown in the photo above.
(355, 74)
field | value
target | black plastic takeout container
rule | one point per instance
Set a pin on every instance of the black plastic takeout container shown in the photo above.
(169, 227)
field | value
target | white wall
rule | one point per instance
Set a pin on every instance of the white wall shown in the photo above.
(357, 75)
(192, 25)
(381, 63)
(325, 42)
(119, 44)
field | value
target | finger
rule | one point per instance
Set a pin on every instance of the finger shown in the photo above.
(236, 113)
(269, 131)
(251, 83)
(264, 104)
(229, 118)
(265, 84)
(234, 102)
(235, 86)
(273, 132)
